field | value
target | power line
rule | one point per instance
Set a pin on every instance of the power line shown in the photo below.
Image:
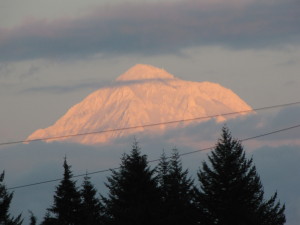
(155, 160)
(150, 125)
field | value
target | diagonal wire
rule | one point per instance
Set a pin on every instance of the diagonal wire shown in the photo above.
(150, 125)
(155, 160)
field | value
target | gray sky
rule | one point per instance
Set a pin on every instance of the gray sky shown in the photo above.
(54, 53)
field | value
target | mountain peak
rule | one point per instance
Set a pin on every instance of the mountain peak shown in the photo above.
(135, 105)
(144, 72)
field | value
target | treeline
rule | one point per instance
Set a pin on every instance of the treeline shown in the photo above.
(228, 191)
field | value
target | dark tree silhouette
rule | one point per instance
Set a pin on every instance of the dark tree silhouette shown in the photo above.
(177, 191)
(67, 202)
(48, 220)
(231, 192)
(5, 200)
(133, 197)
(163, 170)
(91, 207)
(32, 218)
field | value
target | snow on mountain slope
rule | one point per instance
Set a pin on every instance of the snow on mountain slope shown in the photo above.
(142, 95)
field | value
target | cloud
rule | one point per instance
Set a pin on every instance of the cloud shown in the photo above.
(205, 134)
(269, 121)
(30, 72)
(90, 84)
(34, 162)
(155, 28)
(5, 70)
(61, 89)
(276, 157)
(202, 133)
(276, 163)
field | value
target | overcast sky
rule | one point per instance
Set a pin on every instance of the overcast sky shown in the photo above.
(53, 53)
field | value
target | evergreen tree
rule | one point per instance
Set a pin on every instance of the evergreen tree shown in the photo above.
(231, 192)
(133, 197)
(67, 202)
(178, 191)
(91, 208)
(5, 200)
(32, 218)
(163, 170)
(48, 220)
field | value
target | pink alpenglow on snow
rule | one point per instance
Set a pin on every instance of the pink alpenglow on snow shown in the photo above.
(142, 95)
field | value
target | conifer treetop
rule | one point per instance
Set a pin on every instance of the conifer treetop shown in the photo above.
(231, 184)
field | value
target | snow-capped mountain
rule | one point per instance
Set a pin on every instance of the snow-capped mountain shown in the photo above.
(142, 95)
